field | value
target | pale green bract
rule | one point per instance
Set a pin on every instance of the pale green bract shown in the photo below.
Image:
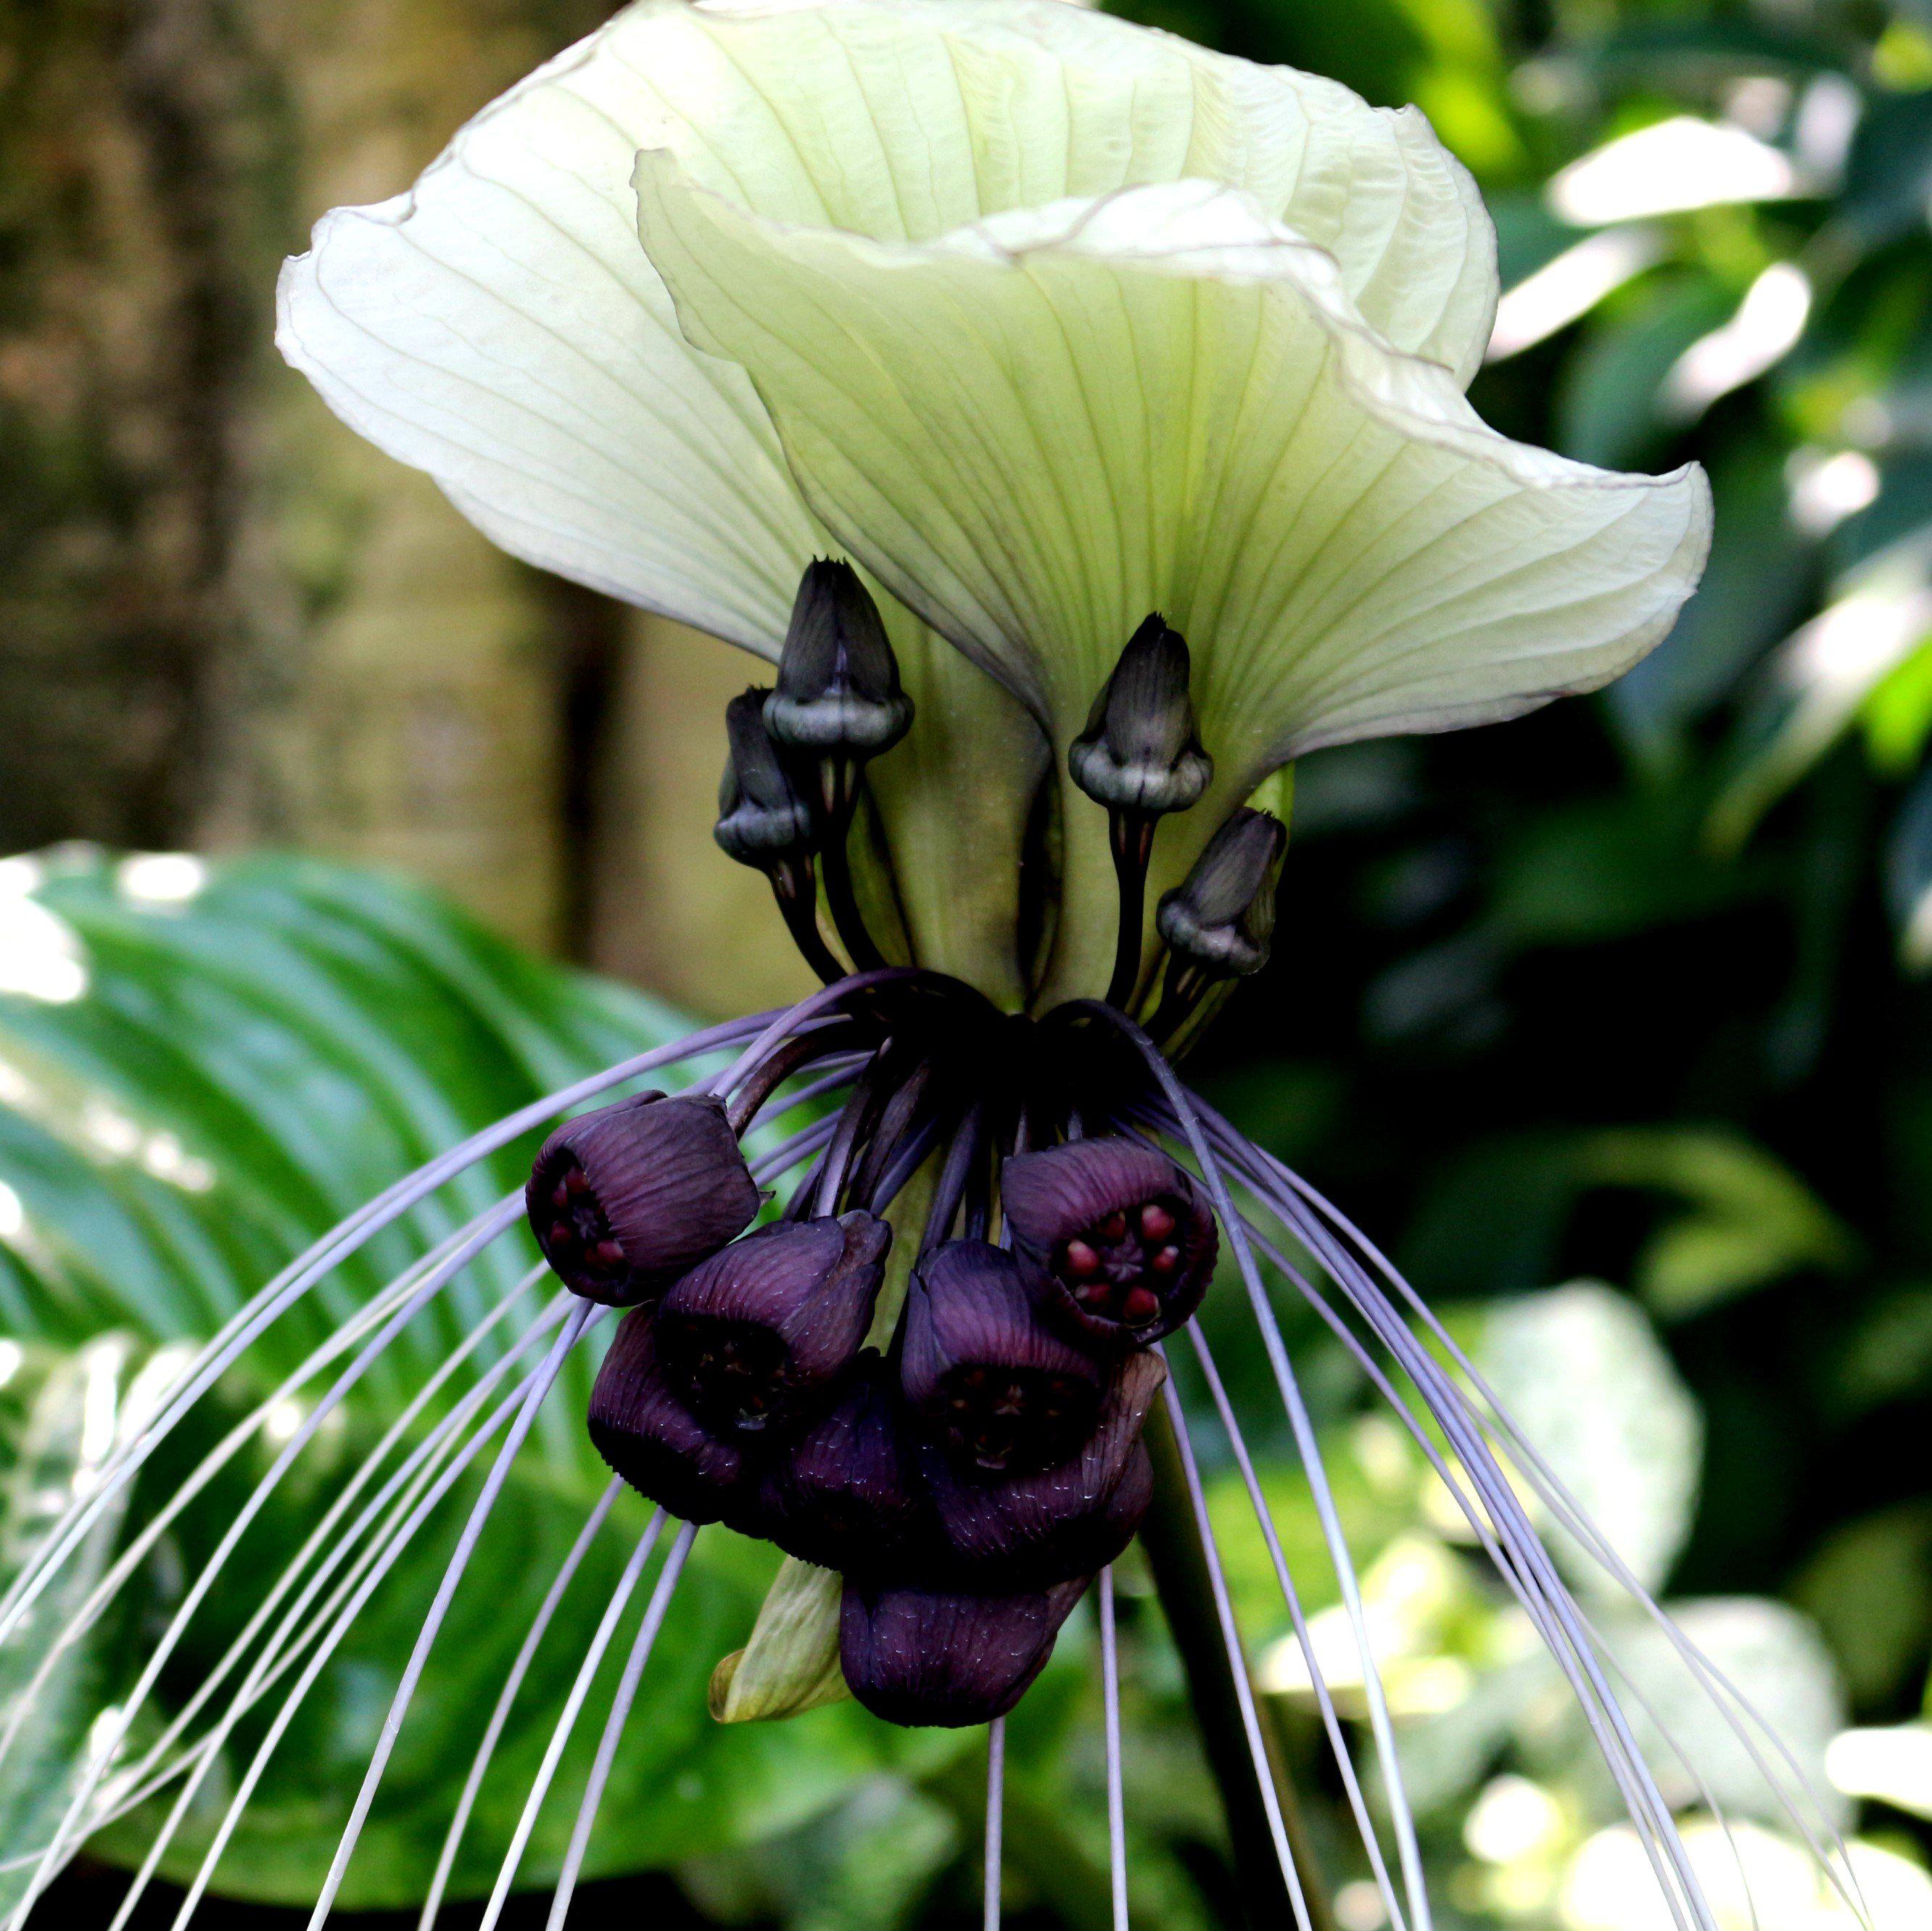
(1046, 319)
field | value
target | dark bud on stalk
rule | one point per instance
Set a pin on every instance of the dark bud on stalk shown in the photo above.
(1220, 918)
(1001, 1391)
(919, 1656)
(763, 818)
(842, 1496)
(624, 1200)
(1140, 751)
(1122, 1240)
(755, 1337)
(643, 1428)
(838, 693)
(1022, 1531)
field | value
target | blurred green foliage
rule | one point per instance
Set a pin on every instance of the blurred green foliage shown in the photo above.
(1635, 988)
(202, 1071)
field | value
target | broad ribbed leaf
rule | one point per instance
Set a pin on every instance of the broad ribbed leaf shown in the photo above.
(213, 1068)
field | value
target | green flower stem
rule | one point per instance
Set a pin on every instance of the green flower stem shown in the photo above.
(1172, 1539)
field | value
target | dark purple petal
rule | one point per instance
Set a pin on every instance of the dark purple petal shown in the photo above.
(1122, 1240)
(756, 1337)
(1027, 1530)
(839, 681)
(984, 1373)
(624, 1200)
(920, 1657)
(643, 1429)
(763, 816)
(1220, 918)
(842, 1496)
(1140, 751)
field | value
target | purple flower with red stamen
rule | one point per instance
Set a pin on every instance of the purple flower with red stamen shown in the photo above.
(980, 1368)
(1122, 1238)
(623, 1200)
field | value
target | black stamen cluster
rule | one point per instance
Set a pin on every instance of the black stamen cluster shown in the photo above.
(971, 1475)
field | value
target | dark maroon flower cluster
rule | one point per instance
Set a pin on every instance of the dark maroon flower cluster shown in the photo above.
(968, 1478)
(968, 1465)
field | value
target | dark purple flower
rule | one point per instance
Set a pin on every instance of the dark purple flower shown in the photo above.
(1219, 919)
(1123, 1240)
(981, 1370)
(1141, 752)
(624, 1200)
(923, 1656)
(644, 1429)
(763, 819)
(842, 1495)
(839, 681)
(755, 1335)
(1017, 1531)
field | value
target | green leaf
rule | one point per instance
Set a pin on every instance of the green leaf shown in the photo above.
(1868, 1585)
(1888, 172)
(54, 1441)
(1610, 410)
(1752, 591)
(1751, 1219)
(205, 1068)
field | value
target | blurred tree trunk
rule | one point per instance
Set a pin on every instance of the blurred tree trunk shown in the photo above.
(222, 618)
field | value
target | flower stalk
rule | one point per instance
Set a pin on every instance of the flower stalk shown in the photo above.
(1176, 1555)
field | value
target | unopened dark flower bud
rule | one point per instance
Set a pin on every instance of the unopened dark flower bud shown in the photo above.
(984, 1373)
(1220, 918)
(643, 1426)
(919, 1656)
(1123, 1240)
(624, 1200)
(842, 1495)
(763, 816)
(757, 1335)
(1140, 751)
(1016, 1531)
(838, 691)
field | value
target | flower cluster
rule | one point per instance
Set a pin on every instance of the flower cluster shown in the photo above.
(968, 1479)
(966, 1451)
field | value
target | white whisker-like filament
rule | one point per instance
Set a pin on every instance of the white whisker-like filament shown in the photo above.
(1737, 1711)
(1522, 1559)
(1334, 1536)
(76, 1624)
(513, 1682)
(103, 1752)
(1523, 1585)
(996, 1807)
(411, 1494)
(315, 1264)
(791, 1153)
(565, 1724)
(1238, 1662)
(834, 1073)
(1661, 1843)
(1291, 1596)
(1110, 1699)
(333, 1550)
(575, 1325)
(625, 1695)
